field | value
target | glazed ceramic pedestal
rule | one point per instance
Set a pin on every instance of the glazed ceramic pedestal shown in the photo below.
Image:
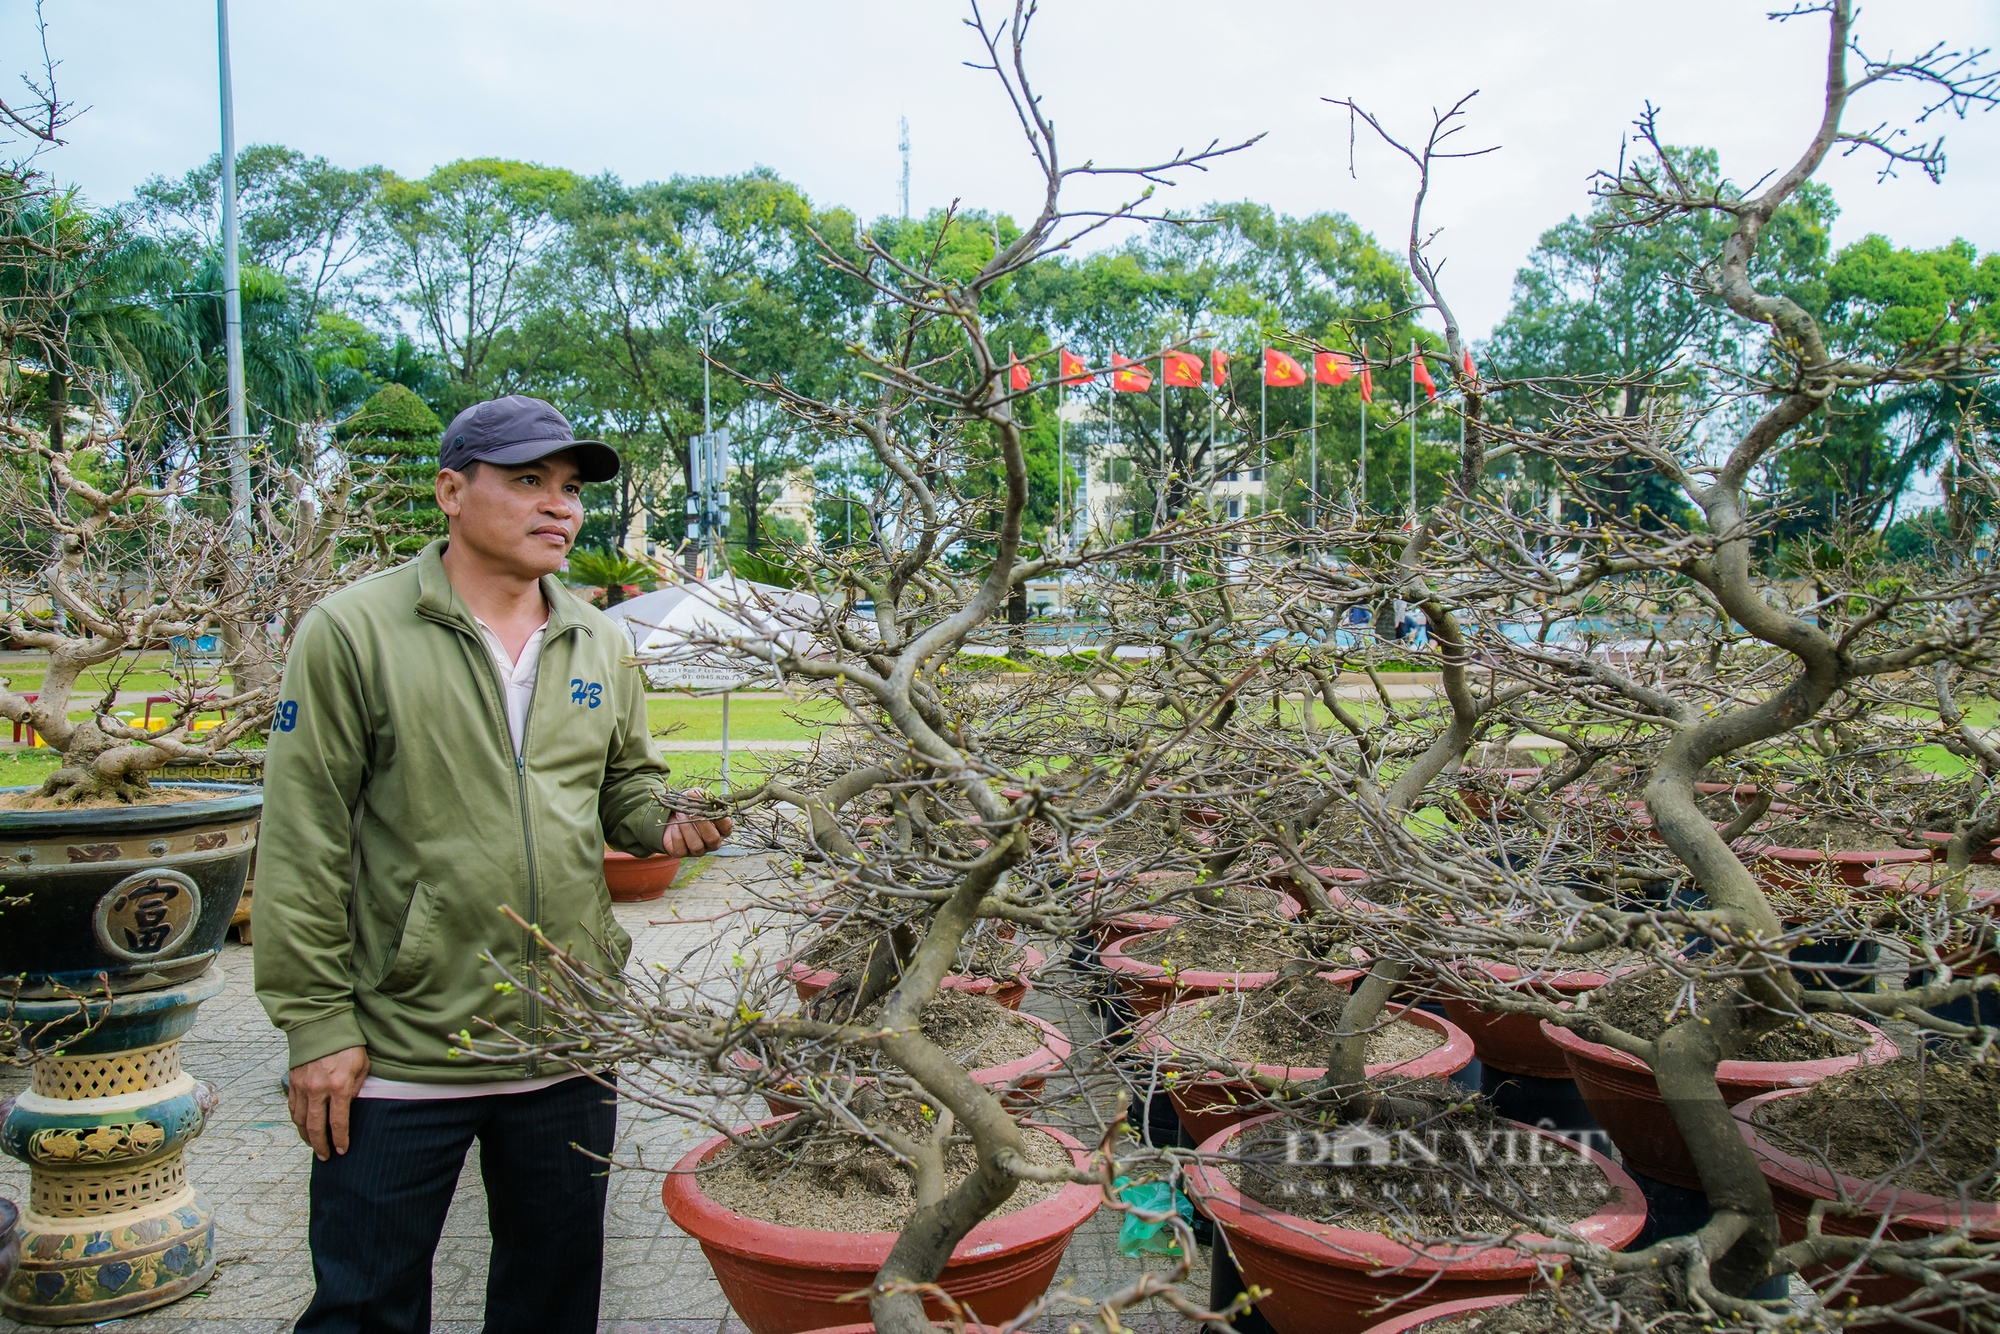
(110, 1226)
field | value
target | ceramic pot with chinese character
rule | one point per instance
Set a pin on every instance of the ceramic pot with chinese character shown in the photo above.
(139, 896)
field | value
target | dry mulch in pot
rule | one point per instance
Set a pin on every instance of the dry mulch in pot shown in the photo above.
(1641, 1299)
(1286, 1023)
(845, 948)
(152, 796)
(1870, 1122)
(973, 1030)
(1640, 1003)
(839, 1184)
(1180, 892)
(1457, 1171)
(1223, 944)
(1834, 833)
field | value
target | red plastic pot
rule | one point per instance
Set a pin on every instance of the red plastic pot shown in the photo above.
(786, 1280)
(809, 981)
(1424, 1315)
(1151, 987)
(1209, 1104)
(869, 1328)
(1790, 868)
(1285, 882)
(1621, 1093)
(1326, 1279)
(1482, 803)
(1796, 1183)
(1513, 1043)
(637, 879)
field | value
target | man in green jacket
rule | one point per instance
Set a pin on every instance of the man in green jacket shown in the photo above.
(454, 736)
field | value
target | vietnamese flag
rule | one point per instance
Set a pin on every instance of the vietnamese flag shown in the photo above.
(1017, 374)
(1367, 384)
(1333, 368)
(1074, 369)
(1218, 367)
(1282, 370)
(1129, 377)
(1422, 375)
(1182, 369)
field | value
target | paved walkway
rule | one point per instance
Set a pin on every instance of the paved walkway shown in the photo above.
(254, 1170)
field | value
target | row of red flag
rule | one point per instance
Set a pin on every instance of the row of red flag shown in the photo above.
(1184, 370)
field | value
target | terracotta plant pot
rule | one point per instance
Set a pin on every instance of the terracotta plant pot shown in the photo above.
(1797, 1182)
(809, 981)
(869, 1328)
(1326, 1279)
(1148, 986)
(1423, 1315)
(1622, 1095)
(637, 879)
(1210, 1103)
(785, 1280)
(1513, 1043)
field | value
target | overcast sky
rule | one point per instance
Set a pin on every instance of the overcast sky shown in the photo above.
(651, 88)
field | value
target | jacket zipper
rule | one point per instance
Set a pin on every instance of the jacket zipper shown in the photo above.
(528, 841)
(530, 953)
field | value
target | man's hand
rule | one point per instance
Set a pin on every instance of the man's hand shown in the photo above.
(692, 836)
(318, 1095)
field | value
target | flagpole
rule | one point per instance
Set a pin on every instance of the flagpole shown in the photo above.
(1413, 431)
(1063, 515)
(1361, 501)
(1208, 485)
(1312, 469)
(1263, 429)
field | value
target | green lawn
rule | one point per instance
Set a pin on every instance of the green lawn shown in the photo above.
(704, 768)
(19, 768)
(751, 717)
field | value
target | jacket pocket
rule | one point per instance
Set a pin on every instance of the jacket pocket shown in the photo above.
(413, 950)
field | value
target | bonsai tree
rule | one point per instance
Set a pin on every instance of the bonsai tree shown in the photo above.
(1718, 660)
(119, 540)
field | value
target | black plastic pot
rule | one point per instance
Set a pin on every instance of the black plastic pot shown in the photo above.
(133, 897)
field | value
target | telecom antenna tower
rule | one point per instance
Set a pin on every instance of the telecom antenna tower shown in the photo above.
(903, 143)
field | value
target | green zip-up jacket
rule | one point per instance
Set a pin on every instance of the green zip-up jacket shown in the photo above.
(397, 821)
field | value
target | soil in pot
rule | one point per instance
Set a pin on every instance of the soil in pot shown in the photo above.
(1641, 1003)
(1836, 832)
(852, 1186)
(1287, 1023)
(974, 1031)
(1568, 1310)
(1219, 945)
(847, 946)
(152, 796)
(1179, 893)
(1866, 1123)
(1286, 1165)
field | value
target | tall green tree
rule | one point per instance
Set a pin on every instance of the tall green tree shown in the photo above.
(300, 216)
(459, 247)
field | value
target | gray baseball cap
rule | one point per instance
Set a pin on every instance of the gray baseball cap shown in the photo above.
(519, 429)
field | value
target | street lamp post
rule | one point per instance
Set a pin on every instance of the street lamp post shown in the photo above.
(232, 295)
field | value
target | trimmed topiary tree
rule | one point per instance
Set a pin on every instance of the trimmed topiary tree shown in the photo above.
(392, 444)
